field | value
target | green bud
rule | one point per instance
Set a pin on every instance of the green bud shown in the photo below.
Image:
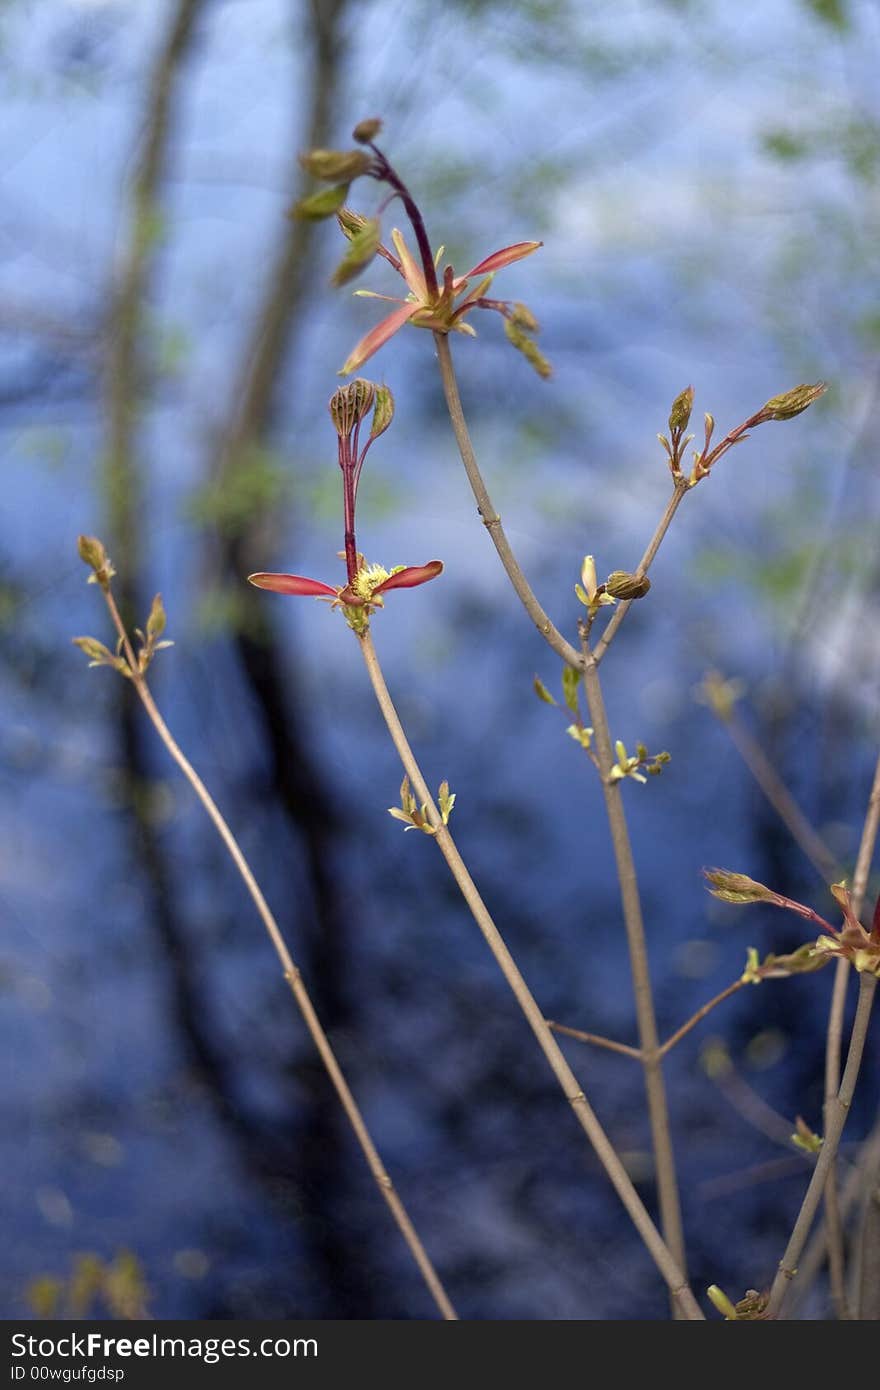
(722, 1302)
(98, 654)
(383, 412)
(530, 350)
(92, 553)
(523, 317)
(791, 403)
(806, 1138)
(445, 801)
(622, 585)
(156, 621)
(363, 246)
(680, 413)
(320, 205)
(350, 222)
(580, 735)
(334, 166)
(350, 404)
(542, 692)
(738, 888)
(571, 682)
(365, 131)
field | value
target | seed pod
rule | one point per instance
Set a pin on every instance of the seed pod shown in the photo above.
(349, 405)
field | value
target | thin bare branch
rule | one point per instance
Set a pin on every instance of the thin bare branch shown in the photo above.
(642, 568)
(666, 1262)
(595, 1040)
(291, 975)
(489, 516)
(649, 1041)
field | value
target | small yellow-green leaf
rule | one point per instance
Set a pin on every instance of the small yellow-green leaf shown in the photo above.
(334, 166)
(157, 620)
(571, 681)
(320, 205)
(361, 250)
(542, 692)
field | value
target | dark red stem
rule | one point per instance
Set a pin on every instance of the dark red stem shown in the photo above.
(390, 176)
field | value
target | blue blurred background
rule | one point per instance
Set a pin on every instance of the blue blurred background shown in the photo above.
(706, 180)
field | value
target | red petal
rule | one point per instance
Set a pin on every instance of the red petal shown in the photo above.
(292, 584)
(504, 257)
(385, 329)
(411, 576)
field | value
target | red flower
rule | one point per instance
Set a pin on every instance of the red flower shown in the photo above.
(442, 310)
(363, 593)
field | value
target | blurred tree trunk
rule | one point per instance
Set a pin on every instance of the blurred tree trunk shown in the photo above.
(309, 808)
(271, 1158)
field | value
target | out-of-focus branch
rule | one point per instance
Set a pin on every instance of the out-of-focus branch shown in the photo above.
(291, 974)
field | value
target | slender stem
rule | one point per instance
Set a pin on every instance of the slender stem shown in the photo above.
(833, 1049)
(672, 506)
(853, 1187)
(490, 518)
(868, 1281)
(390, 176)
(781, 799)
(595, 1040)
(649, 1042)
(751, 1106)
(292, 976)
(833, 1131)
(666, 1262)
(699, 1016)
(833, 1219)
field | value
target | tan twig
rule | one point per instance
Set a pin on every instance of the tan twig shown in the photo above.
(781, 799)
(595, 1040)
(672, 506)
(291, 975)
(788, 1266)
(837, 1110)
(668, 1265)
(699, 1016)
(853, 1187)
(833, 1050)
(490, 518)
(649, 1041)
